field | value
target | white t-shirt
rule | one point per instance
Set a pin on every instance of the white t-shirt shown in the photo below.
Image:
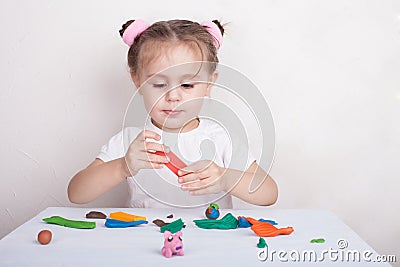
(159, 188)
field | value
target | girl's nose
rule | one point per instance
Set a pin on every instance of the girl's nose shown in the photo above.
(174, 94)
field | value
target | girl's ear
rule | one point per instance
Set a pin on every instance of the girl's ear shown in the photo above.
(135, 79)
(213, 78)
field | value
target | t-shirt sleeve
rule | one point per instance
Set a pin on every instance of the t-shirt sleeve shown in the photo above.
(113, 149)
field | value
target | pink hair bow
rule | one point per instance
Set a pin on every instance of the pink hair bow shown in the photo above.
(213, 29)
(133, 30)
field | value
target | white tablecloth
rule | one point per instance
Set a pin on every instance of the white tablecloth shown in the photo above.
(142, 245)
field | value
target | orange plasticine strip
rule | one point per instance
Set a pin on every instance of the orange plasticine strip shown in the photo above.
(266, 229)
(252, 221)
(126, 217)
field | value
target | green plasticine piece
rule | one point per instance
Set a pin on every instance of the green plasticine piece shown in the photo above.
(261, 243)
(173, 227)
(227, 222)
(70, 223)
(318, 240)
(214, 205)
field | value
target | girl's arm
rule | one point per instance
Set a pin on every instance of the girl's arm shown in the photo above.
(96, 179)
(99, 176)
(254, 185)
(265, 194)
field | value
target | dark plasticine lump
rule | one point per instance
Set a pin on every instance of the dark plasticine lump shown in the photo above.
(96, 215)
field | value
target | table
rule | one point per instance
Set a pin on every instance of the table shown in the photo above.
(142, 245)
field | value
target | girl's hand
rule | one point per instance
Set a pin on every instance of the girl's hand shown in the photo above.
(140, 154)
(205, 177)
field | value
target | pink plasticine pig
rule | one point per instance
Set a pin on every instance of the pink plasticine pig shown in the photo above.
(172, 244)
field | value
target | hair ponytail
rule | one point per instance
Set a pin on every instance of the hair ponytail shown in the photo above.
(221, 28)
(124, 26)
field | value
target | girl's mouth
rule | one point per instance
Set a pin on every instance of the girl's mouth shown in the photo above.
(172, 113)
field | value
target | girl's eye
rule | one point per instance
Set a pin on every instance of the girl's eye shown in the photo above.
(187, 85)
(159, 85)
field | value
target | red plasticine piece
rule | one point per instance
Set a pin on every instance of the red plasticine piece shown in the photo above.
(174, 164)
(265, 229)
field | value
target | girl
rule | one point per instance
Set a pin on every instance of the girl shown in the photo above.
(154, 49)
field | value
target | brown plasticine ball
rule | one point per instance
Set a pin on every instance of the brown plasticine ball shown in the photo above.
(44, 237)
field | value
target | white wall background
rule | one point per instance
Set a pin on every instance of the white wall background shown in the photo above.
(330, 71)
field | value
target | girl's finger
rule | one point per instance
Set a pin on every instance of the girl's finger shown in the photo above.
(185, 171)
(188, 178)
(149, 134)
(152, 146)
(192, 177)
(200, 184)
(150, 157)
(198, 166)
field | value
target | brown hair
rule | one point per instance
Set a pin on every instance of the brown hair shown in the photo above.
(150, 41)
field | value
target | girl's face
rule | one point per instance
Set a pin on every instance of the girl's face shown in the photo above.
(173, 87)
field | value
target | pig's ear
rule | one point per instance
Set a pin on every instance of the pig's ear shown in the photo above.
(167, 234)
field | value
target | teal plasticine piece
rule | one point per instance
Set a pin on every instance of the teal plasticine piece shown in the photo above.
(173, 227)
(261, 243)
(70, 223)
(227, 222)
